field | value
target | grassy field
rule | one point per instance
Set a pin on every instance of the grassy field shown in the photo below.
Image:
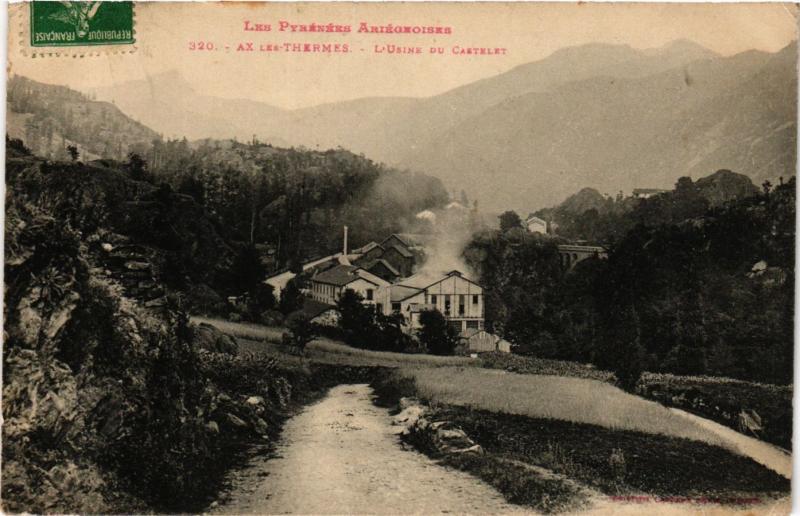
(532, 365)
(568, 399)
(242, 329)
(722, 399)
(618, 462)
(254, 338)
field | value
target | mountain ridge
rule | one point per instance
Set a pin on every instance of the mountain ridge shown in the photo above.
(607, 116)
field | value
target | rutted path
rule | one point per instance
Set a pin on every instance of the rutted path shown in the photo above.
(342, 455)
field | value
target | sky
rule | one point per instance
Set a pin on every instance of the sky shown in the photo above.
(527, 32)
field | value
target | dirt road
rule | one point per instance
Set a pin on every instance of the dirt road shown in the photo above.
(342, 455)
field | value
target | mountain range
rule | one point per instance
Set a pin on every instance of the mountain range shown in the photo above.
(606, 116)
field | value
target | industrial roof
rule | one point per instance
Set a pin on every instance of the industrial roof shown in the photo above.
(366, 248)
(401, 293)
(312, 308)
(340, 275)
(425, 279)
(385, 264)
(403, 251)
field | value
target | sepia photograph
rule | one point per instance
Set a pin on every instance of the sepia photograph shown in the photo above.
(399, 258)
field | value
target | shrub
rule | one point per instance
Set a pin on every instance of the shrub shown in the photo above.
(302, 330)
(435, 334)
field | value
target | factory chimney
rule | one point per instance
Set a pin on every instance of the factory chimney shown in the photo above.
(343, 259)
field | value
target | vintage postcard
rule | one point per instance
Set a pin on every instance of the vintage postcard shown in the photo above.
(399, 258)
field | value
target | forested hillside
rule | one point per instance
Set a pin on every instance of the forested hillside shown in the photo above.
(587, 215)
(689, 287)
(49, 118)
(294, 200)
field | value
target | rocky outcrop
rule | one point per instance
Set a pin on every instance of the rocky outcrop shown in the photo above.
(111, 401)
(435, 437)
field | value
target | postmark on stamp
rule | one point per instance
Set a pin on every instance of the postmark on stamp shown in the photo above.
(69, 24)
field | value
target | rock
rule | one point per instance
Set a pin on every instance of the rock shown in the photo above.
(260, 426)
(409, 416)
(212, 427)
(255, 401)
(107, 247)
(137, 266)
(476, 448)
(447, 435)
(214, 504)
(209, 338)
(408, 402)
(236, 420)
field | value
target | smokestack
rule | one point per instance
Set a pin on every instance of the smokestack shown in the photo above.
(343, 259)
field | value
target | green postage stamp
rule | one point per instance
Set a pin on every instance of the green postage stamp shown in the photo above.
(64, 23)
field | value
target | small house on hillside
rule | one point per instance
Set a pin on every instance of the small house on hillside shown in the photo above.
(536, 225)
(646, 193)
(478, 341)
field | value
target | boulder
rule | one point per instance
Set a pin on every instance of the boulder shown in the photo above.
(209, 338)
(255, 401)
(137, 266)
(235, 420)
(260, 426)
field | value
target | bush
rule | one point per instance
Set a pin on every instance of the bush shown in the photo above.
(271, 318)
(435, 334)
(302, 330)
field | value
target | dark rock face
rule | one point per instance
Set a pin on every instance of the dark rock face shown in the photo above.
(147, 234)
(108, 400)
(723, 186)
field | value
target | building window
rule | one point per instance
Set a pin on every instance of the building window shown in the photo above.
(433, 299)
(473, 325)
(461, 302)
(369, 294)
(447, 304)
(396, 307)
(475, 299)
(379, 307)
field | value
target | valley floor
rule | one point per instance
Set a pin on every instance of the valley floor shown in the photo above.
(342, 456)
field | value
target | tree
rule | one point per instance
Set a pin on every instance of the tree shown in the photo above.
(137, 167)
(435, 334)
(509, 220)
(301, 330)
(247, 270)
(73, 152)
(357, 320)
(291, 297)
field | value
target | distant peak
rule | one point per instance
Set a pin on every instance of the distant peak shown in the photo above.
(171, 78)
(685, 46)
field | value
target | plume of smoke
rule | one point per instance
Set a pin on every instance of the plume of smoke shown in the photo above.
(451, 229)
